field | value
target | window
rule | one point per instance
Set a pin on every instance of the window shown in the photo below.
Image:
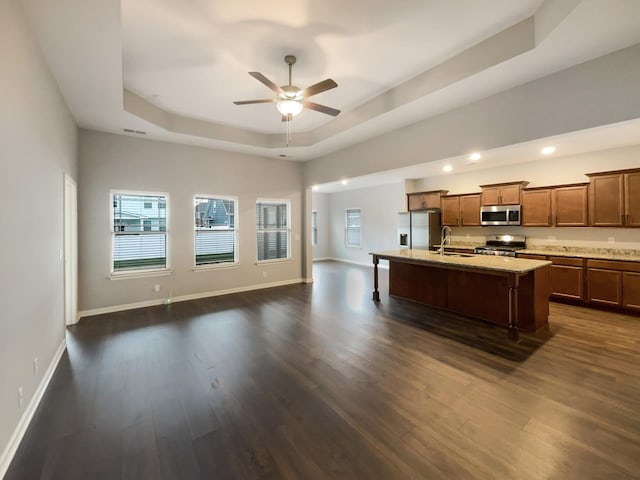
(273, 230)
(314, 228)
(139, 232)
(215, 230)
(352, 230)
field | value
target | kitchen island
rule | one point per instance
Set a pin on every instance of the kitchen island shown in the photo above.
(506, 291)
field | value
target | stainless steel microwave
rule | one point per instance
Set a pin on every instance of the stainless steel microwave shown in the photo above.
(500, 215)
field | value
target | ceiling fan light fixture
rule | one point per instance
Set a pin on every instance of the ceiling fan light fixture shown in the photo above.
(289, 107)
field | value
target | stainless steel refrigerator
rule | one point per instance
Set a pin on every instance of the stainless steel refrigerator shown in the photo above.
(419, 230)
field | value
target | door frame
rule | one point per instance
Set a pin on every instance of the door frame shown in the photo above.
(70, 251)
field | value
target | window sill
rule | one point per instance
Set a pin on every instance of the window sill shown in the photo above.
(139, 274)
(354, 246)
(216, 266)
(275, 260)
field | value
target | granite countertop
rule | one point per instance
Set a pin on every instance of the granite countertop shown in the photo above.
(628, 255)
(474, 262)
(584, 252)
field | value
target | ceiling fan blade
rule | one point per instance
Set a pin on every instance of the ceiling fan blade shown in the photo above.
(247, 102)
(260, 77)
(322, 108)
(319, 87)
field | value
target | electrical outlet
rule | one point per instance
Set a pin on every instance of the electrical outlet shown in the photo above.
(20, 396)
(35, 366)
(611, 239)
(264, 274)
(551, 238)
(156, 288)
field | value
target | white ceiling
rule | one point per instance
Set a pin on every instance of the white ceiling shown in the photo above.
(172, 68)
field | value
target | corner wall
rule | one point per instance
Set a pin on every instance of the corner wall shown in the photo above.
(122, 162)
(38, 141)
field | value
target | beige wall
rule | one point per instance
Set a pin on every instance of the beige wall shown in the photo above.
(121, 162)
(37, 146)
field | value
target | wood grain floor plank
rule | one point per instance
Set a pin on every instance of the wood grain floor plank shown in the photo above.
(317, 381)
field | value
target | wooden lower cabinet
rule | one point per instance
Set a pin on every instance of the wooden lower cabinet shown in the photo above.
(631, 290)
(605, 287)
(566, 282)
(567, 278)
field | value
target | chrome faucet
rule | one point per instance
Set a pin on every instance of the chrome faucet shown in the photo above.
(444, 236)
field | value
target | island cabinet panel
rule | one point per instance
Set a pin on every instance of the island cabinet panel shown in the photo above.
(536, 207)
(570, 206)
(631, 290)
(451, 210)
(470, 209)
(567, 278)
(482, 294)
(418, 283)
(470, 293)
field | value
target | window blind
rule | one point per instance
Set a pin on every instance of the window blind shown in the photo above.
(139, 232)
(215, 233)
(272, 230)
(352, 233)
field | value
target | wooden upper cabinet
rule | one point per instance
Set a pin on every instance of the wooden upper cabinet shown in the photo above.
(451, 210)
(502, 193)
(632, 198)
(470, 209)
(614, 198)
(606, 200)
(536, 207)
(569, 206)
(424, 200)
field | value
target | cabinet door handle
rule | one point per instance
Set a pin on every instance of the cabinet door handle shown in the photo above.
(622, 219)
(556, 219)
(549, 220)
(629, 219)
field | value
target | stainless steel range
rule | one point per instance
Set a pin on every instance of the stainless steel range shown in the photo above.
(503, 245)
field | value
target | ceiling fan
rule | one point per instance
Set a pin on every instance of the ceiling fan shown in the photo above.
(290, 100)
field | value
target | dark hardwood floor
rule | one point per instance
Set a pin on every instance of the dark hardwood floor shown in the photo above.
(317, 381)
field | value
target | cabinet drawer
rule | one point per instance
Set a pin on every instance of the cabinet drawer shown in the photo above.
(531, 256)
(614, 265)
(572, 262)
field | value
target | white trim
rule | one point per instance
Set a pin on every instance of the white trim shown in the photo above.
(308, 280)
(124, 275)
(167, 227)
(215, 266)
(288, 229)
(321, 259)
(27, 416)
(236, 223)
(183, 298)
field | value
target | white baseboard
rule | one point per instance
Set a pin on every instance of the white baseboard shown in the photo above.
(322, 259)
(184, 298)
(27, 416)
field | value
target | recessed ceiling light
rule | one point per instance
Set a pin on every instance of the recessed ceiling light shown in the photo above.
(315, 187)
(447, 168)
(344, 182)
(548, 150)
(474, 157)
